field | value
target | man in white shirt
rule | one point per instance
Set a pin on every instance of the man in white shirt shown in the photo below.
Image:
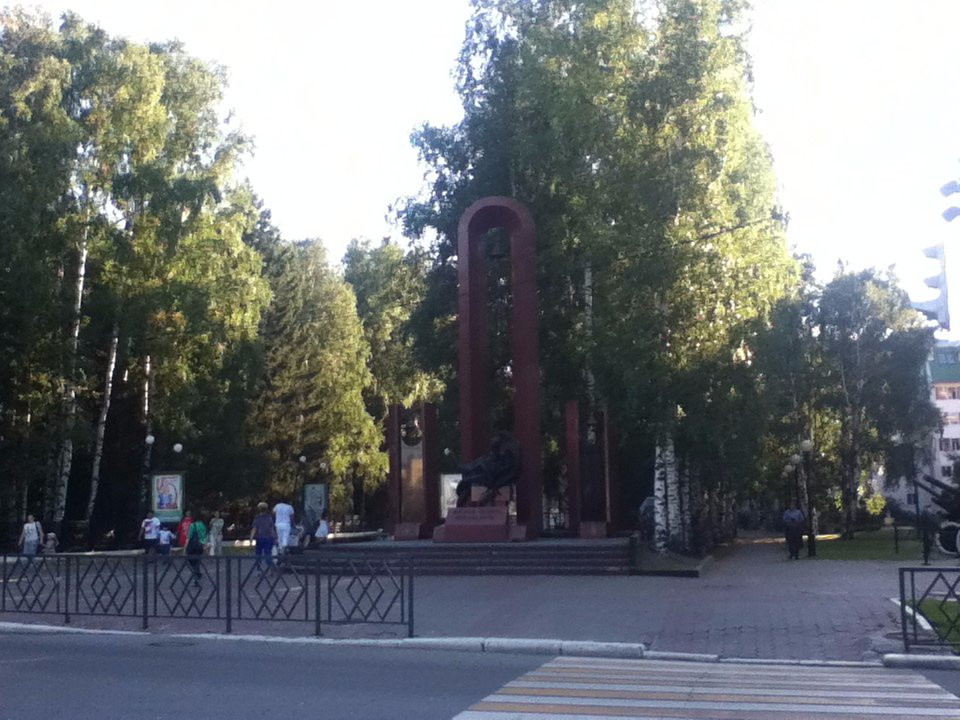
(150, 533)
(283, 520)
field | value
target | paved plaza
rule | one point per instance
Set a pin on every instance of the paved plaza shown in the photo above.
(750, 602)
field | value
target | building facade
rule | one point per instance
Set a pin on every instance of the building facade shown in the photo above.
(937, 458)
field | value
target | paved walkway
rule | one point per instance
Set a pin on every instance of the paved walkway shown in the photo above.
(595, 689)
(751, 603)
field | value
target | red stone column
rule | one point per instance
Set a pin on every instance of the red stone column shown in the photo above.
(472, 348)
(393, 478)
(431, 468)
(484, 215)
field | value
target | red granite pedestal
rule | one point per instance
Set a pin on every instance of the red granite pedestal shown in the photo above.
(475, 524)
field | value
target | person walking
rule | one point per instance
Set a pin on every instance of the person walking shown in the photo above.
(323, 528)
(196, 541)
(216, 534)
(30, 536)
(149, 533)
(51, 544)
(164, 540)
(283, 515)
(263, 532)
(184, 528)
(793, 522)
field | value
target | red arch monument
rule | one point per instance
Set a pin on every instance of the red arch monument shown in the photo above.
(482, 216)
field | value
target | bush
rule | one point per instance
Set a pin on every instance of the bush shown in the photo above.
(876, 504)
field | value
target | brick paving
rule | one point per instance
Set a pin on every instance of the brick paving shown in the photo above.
(751, 603)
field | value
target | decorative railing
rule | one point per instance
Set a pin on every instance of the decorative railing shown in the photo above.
(312, 591)
(930, 607)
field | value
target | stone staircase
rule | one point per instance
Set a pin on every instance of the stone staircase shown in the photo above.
(543, 557)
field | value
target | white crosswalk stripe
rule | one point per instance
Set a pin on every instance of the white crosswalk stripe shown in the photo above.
(599, 689)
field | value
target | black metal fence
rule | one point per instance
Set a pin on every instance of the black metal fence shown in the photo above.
(315, 591)
(930, 607)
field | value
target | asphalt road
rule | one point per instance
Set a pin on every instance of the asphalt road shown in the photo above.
(81, 677)
(59, 676)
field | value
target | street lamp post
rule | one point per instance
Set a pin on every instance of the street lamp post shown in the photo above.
(807, 448)
(148, 442)
(301, 462)
(795, 461)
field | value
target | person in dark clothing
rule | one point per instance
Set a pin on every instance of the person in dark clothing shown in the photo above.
(196, 542)
(263, 532)
(793, 522)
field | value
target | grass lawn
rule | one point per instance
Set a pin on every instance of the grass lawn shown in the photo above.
(942, 618)
(870, 545)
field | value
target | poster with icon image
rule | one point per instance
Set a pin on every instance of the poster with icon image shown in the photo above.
(167, 496)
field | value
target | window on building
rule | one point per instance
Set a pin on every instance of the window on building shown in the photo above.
(945, 445)
(955, 443)
(951, 418)
(946, 470)
(911, 498)
(946, 391)
(947, 357)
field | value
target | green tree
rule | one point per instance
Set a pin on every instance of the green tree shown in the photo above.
(388, 285)
(37, 148)
(874, 348)
(311, 399)
(630, 137)
(129, 229)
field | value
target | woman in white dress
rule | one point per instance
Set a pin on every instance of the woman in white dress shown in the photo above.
(30, 536)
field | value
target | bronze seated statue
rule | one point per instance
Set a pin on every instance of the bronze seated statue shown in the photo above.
(497, 469)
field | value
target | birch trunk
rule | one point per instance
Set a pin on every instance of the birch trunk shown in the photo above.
(686, 512)
(664, 458)
(674, 526)
(65, 460)
(102, 419)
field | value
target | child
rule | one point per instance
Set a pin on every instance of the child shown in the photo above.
(166, 538)
(50, 546)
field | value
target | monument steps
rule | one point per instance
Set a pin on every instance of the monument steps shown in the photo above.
(572, 557)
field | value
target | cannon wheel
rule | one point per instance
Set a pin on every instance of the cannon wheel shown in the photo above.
(948, 538)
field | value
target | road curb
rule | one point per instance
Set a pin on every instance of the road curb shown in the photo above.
(525, 646)
(681, 656)
(31, 627)
(587, 648)
(804, 663)
(921, 662)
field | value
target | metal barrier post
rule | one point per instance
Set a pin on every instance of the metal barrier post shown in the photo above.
(230, 593)
(66, 593)
(410, 602)
(316, 598)
(145, 594)
(330, 594)
(903, 611)
(3, 590)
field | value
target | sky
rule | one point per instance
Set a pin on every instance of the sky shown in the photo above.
(857, 101)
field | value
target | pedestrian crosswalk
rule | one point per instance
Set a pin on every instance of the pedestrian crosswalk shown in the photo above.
(598, 689)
